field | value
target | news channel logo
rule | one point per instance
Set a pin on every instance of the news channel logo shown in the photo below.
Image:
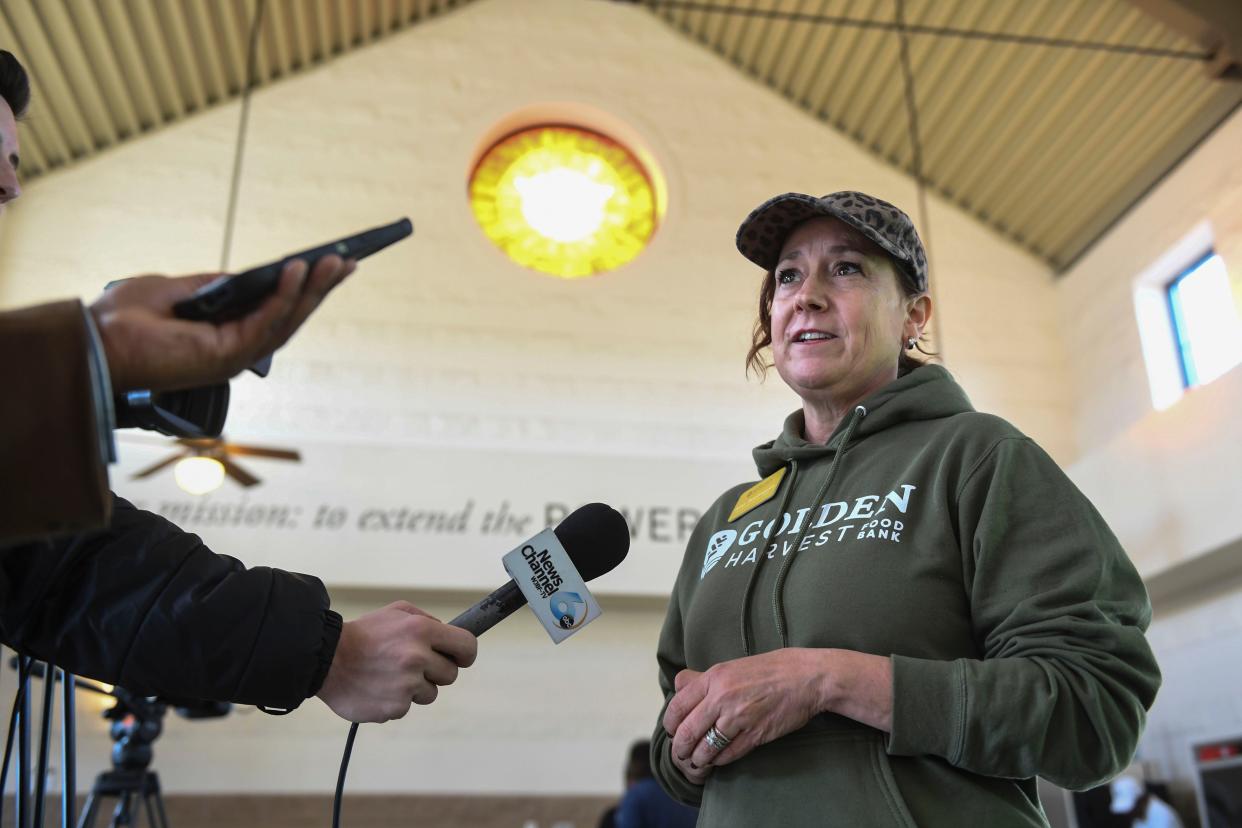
(569, 609)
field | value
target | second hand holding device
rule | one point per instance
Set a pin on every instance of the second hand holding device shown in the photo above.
(233, 296)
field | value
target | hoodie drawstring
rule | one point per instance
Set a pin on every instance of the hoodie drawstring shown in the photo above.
(778, 591)
(750, 582)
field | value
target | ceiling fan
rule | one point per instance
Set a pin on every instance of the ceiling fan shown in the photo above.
(221, 451)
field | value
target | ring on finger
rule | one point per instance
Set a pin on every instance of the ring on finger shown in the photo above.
(715, 739)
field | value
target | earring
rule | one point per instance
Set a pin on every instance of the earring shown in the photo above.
(910, 343)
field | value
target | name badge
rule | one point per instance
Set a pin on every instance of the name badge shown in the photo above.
(758, 494)
(555, 591)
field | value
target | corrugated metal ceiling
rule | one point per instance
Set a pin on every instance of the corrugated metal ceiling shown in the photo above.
(1048, 145)
(104, 71)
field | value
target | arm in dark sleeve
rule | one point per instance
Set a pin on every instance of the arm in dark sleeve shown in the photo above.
(56, 441)
(1059, 613)
(148, 607)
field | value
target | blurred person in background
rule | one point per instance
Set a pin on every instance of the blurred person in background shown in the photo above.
(1134, 802)
(644, 803)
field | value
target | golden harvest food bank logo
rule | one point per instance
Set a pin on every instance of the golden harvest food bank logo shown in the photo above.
(717, 545)
(860, 519)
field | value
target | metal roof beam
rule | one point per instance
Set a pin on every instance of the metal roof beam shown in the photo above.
(1214, 24)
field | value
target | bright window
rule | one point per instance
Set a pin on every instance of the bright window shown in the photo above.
(1206, 328)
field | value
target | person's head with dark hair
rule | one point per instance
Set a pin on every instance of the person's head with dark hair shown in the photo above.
(14, 84)
(14, 99)
(639, 765)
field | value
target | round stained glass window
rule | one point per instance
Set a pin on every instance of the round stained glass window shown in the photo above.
(564, 200)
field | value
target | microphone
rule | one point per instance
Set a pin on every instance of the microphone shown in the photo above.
(595, 536)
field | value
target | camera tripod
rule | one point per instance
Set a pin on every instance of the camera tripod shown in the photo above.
(136, 724)
(133, 789)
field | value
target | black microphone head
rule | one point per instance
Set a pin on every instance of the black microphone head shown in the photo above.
(596, 537)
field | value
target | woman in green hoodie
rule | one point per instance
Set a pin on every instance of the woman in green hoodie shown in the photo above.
(914, 612)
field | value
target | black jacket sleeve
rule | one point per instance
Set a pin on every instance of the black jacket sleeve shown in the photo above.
(146, 606)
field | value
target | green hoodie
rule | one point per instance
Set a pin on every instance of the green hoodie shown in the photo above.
(946, 539)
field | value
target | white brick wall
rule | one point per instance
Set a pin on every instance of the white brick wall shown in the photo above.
(1109, 380)
(1168, 482)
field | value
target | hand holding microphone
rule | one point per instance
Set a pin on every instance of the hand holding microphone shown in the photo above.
(399, 655)
(391, 657)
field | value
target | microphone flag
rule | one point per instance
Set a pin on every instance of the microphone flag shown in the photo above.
(547, 577)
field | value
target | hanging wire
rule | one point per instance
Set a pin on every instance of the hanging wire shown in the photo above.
(916, 140)
(239, 151)
(920, 29)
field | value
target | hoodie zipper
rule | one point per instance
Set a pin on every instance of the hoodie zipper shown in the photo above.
(778, 591)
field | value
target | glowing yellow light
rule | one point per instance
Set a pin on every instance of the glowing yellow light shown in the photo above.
(564, 200)
(199, 475)
(563, 204)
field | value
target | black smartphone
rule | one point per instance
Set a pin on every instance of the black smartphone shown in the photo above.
(233, 296)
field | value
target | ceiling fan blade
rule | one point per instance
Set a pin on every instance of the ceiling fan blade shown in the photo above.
(201, 445)
(239, 474)
(260, 451)
(150, 470)
(143, 438)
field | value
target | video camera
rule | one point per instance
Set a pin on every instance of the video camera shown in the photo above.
(137, 722)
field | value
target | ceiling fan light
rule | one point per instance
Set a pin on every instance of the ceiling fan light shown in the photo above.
(199, 475)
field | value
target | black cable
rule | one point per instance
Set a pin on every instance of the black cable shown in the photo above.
(23, 673)
(340, 778)
(68, 754)
(45, 743)
(920, 29)
(240, 149)
(24, 715)
(25, 667)
(8, 745)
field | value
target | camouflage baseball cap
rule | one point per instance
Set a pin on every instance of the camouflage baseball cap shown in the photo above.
(764, 231)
